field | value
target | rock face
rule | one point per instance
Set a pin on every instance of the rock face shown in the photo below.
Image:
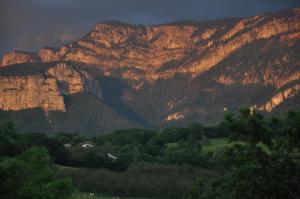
(280, 97)
(49, 55)
(18, 93)
(71, 81)
(181, 71)
(45, 90)
(161, 51)
(18, 57)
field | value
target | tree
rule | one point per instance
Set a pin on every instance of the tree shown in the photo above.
(31, 175)
(11, 142)
(184, 153)
(55, 148)
(27, 172)
(264, 166)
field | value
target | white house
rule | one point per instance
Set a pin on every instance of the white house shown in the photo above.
(87, 145)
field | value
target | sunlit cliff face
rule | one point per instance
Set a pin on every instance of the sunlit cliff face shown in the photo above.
(147, 54)
(161, 51)
(45, 90)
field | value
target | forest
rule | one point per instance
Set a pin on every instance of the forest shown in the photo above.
(247, 155)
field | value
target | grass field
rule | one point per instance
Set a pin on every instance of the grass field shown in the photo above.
(79, 195)
(216, 144)
(88, 196)
(212, 145)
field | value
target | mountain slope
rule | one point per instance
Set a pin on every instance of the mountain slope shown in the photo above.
(170, 74)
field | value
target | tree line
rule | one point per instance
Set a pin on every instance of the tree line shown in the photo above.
(262, 161)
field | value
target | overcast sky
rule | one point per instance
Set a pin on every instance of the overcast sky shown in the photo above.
(32, 24)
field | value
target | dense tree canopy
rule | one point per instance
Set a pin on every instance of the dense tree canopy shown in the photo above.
(261, 160)
(27, 170)
(265, 165)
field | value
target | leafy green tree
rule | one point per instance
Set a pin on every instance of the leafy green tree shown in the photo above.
(249, 126)
(10, 141)
(55, 148)
(64, 138)
(207, 189)
(184, 153)
(78, 138)
(32, 176)
(264, 167)
(27, 172)
(257, 174)
(291, 129)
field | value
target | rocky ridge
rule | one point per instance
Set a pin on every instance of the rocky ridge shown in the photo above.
(176, 72)
(155, 52)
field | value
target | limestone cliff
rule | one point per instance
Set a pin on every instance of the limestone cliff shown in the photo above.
(161, 51)
(18, 57)
(45, 90)
(29, 92)
(155, 75)
(280, 97)
(71, 81)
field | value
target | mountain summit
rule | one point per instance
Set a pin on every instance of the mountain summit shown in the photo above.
(121, 75)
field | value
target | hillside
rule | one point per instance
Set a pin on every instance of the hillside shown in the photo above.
(121, 75)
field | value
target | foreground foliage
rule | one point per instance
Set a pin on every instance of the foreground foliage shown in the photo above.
(26, 171)
(140, 180)
(245, 156)
(265, 166)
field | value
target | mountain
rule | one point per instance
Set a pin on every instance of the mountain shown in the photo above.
(121, 75)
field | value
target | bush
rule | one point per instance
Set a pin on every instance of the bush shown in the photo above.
(140, 180)
(31, 176)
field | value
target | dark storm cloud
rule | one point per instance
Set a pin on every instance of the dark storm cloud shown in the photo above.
(31, 24)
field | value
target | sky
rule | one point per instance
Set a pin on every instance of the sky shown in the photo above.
(33, 24)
